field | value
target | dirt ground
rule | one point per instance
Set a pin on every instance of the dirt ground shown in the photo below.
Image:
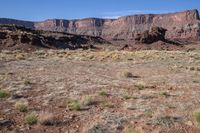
(100, 92)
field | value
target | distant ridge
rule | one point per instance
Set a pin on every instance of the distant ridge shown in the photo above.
(181, 25)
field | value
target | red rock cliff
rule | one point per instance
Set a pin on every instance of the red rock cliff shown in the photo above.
(179, 25)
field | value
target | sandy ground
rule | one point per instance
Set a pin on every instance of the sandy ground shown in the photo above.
(113, 91)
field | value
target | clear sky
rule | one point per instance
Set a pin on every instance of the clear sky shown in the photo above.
(37, 10)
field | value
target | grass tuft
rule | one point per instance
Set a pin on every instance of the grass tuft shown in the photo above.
(31, 118)
(21, 106)
(27, 82)
(127, 74)
(196, 116)
(140, 86)
(4, 94)
(164, 94)
(88, 100)
(103, 93)
(73, 105)
(46, 119)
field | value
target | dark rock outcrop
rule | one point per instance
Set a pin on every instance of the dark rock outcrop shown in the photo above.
(154, 35)
(18, 37)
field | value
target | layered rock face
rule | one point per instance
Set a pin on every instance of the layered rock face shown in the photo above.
(181, 25)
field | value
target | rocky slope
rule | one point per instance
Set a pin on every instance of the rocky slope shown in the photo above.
(14, 37)
(181, 25)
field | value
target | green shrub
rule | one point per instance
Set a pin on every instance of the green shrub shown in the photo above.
(164, 94)
(140, 86)
(3, 94)
(103, 93)
(149, 114)
(73, 105)
(196, 115)
(31, 118)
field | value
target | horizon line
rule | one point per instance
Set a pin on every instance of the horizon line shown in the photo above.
(103, 17)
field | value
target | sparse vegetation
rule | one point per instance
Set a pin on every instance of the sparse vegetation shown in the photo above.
(164, 94)
(193, 68)
(196, 116)
(127, 74)
(149, 114)
(46, 119)
(31, 118)
(130, 129)
(73, 105)
(4, 94)
(98, 89)
(108, 105)
(27, 82)
(171, 106)
(22, 106)
(20, 56)
(196, 81)
(88, 100)
(126, 96)
(103, 93)
(140, 86)
(166, 120)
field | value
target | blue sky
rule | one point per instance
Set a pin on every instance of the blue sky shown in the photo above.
(37, 10)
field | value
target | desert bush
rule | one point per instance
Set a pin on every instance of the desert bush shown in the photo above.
(127, 74)
(21, 106)
(149, 114)
(46, 119)
(164, 94)
(27, 82)
(103, 93)
(20, 57)
(4, 94)
(126, 96)
(73, 105)
(87, 100)
(130, 129)
(140, 86)
(108, 105)
(31, 118)
(196, 116)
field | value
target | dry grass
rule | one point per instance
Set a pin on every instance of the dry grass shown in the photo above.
(47, 119)
(97, 74)
(88, 100)
(22, 106)
(127, 74)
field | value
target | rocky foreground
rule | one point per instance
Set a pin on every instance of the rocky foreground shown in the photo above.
(62, 91)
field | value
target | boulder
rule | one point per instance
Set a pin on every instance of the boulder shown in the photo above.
(154, 35)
